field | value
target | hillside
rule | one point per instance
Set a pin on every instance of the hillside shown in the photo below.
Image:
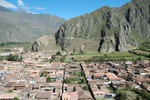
(23, 27)
(107, 29)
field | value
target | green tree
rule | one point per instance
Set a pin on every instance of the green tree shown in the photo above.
(121, 95)
(62, 59)
(48, 80)
(74, 89)
(16, 98)
(138, 97)
(85, 88)
(43, 74)
(14, 58)
(35, 46)
(58, 53)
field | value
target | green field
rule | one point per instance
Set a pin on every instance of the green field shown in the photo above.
(98, 57)
(5, 47)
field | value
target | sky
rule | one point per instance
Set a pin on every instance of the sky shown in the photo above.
(63, 8)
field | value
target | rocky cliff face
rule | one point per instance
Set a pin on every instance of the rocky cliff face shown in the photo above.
(107, 29)
(25, 27)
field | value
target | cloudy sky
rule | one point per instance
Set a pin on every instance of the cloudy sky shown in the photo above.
(63, 8)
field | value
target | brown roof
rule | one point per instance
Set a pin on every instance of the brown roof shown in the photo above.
(8, 96)
(70, 96)
(98, 74)
(111, 76)
(20, 84)
(84, 95)
(44, 95)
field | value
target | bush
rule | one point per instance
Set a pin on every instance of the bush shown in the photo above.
(16, 98)
(48, 80)
(58, 53)
(144, 94)
(85, 88)
(43, 74)
(14, 58)
(121, 95)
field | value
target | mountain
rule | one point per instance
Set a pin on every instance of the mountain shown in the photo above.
(23, 27)
(107, 29)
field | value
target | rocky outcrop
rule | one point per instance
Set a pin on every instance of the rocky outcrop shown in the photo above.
(46, 42)
(107, 29)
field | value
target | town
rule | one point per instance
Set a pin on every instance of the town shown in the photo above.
(35, 79)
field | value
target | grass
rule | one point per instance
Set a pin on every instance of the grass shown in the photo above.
(5, 46)
(141, 52)
(99, 57)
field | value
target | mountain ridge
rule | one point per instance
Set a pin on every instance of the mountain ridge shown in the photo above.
(107, 29)
(25, 27)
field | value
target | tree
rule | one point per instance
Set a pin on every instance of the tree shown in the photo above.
(83, 81)
(48, 80)
(43, 74)
(138, 97)
(58, 53)
(16, 98)
(35, 46)
(121, 95)
(62, 59)
(74, 89)
(85, 87)
(14, 58)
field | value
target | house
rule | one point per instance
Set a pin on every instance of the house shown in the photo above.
(20, 85)
(98, 75)
(41, 80)
(70, 96)
(8, 96)
(44, 96)
(146, 86)
(112, 77)
(139, 80)
(81, 95)
(10, 85)
(84, 95)
(99, 94)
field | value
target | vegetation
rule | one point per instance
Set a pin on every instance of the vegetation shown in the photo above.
(145, 46)
(78, 73)
(5, 47)
(145, 95)
(132, 94)
(58, 53)
(35, 47)
(85, 88)
(16, 98)
(74, 89)
(70, 80)
(99, 57)
(121, 95)
(43, 74)
(12, 57)
(48, 80)
(141, 53)
(2, 58)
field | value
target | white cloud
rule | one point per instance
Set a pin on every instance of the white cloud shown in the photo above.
(7, 4)
(33, 12)
(20, 3)
(22, 7)
(40, 8)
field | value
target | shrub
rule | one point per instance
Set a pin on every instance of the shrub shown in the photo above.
(48, 80)
(14, 58)
(16, 98)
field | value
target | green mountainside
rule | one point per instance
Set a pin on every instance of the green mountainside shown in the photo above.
(25, 27)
